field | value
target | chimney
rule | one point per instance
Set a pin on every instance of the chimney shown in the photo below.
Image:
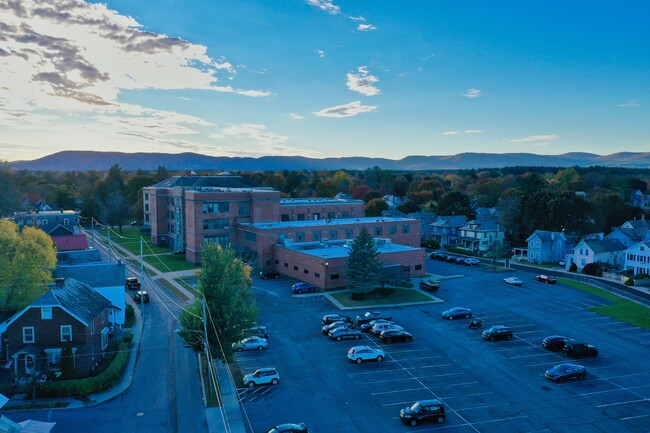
(59, 282)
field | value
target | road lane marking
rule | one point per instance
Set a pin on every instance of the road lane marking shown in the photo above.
(623, 402)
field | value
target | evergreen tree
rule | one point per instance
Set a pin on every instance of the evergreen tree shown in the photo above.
(364, 269)
(67, 361)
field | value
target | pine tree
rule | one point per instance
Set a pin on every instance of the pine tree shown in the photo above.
(67, 361)
(364, 269)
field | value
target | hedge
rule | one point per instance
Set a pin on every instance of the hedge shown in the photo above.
(88, 385)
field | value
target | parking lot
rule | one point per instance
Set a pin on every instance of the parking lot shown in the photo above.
(485, 386)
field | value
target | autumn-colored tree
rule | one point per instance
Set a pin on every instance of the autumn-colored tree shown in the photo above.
(375, 207)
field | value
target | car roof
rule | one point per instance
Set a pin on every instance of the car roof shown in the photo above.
(429, 402)
(266, 369)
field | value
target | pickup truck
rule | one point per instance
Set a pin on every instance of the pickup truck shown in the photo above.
(429, 285)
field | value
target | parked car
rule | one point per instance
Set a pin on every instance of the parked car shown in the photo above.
(372, 315)
(580, 350)
(555, 342)
(257, 331)
(460, 260)
(562, 372)
(456, 313)
(442, 257)
(339, 324)
(546, 279)
(429, 285)
(265, 275)
(262, 376)
(472, 261)
(497, 333)
(361, 354)
(329, 318)
(513, 281)
(132, 283)
(378, 328)
(289, 428)
(339, 334)
(435, 255)
(451, 259)
(303, 288)
(250, 343)
(366, 327)
(392, 335)
(141, 296)
(562, 262)
(423, 410)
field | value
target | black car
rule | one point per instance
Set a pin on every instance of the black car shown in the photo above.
(339, 334)
(555, 342)
(451, 259)
(456, 313)
(257, 331)
(392, 335)
(372, 315)
(460, 260)
(441, 257)
(141, 296)
(580, 350)
(498, 333)
(338, 324)
(367, 327)
(289, 428)
(329, 318)
(423, 410)
(265, 275)
(565, 371)
(132, 283)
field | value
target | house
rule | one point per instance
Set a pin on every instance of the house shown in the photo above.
(393, 201)
(78, 256)
(547, 246)
(71, 311)
(479, 235)
(637, 258)
(641, 200)
(604, 251)
(105, 278)
(54, 223)
(446, 229)
(631, 232)
(425, 218)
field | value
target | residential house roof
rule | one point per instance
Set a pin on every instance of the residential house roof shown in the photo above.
(483, 212)
(70, 242)
(393, 213)
(100, 274)
(545, 235)
(76, 257)
(486, 225)
(605, 245)
(450, 221)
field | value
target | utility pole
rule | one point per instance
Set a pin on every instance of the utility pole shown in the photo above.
(92, 231)
(110, 252)
(206, 348)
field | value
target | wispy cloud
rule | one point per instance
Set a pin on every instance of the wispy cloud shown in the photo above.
(321, 53)
(467, 131)
(429, 57)
(450, 133)
(472, 93)
(366, 27)
(362, 82)
(632, 103)
(535, 138)
(347, 110)
(295, 116)
(257, 137)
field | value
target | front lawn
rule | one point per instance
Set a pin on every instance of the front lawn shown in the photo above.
(170, 262)
(398, 296)
(621, 309)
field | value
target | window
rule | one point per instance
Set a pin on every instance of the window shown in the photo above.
(406, 229)
(316, 235)
(250, 236)
(334, 234)
(146, 196)
(216, 223)
(305, 271)
(284, 217)
(378, 231)
(277, 262)
(46, 313)
(301, 217)
(349, 233)
(66, 222)
(66, 332)
(286, 265)
(44, 222)
(316, 274)
(295, 268)
(244, 208)
(316, 215)
(28, 334)
(104, 338)
(345, 214)
(146, 207)
(334, 277)
(222, 240)
(53, 359)
(418, 267)
(300, 236)
(392, 230)
(331, 215)
(216, 207)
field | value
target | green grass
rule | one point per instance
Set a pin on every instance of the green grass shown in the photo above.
(170, 262)
(621, 309)
(399, 296)
(169, 286)
(497, 269)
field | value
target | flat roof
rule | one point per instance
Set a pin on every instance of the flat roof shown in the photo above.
(325, 222)
(339, 249)
(317, 200)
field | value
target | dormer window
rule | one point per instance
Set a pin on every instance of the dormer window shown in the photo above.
(46, 313)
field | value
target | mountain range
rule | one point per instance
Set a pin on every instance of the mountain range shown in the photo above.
(91, 160)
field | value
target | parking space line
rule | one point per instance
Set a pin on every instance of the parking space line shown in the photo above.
(385, 381)
(537, 365)
(622, 329)
(483, 407)
(516, 348)
(410, 350)
(467, 395)
(530, 356)
(633, 417)
(595, 318)
(457, 384)
(500, 419)
(521, 326)
(398, 390)
(623, 402)
(529, 332)
(427, 366)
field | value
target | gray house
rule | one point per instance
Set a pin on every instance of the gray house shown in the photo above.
(547, 247)
(446, 229)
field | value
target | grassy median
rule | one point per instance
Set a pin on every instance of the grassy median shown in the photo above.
(397, 296)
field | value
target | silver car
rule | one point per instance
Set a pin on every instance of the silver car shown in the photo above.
(262, 376)
(250, 343)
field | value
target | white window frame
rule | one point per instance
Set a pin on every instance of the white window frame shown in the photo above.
(104, 338)
(65, 327)
(46, 313)
(33, 336)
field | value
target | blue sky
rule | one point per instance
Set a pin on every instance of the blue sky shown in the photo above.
(324, 78)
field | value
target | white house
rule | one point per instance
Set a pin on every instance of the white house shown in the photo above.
(631, 232)
(637, 258)
(480, 235)
(597, 251)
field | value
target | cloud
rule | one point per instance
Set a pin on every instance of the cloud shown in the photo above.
(295, 116)
(535, 138)
(472, 93)
(632, 103)
(362, 82)
(258, 137)
(429, 57)
(325, 5)
(467, 131)
(450, 133)
(366, 27)
(321, 53)
(347, 110)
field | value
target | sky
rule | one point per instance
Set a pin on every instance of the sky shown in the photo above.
(324, 78)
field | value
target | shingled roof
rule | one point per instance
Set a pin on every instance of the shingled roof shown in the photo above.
(77, 298)
(100, 274)
(606, 245)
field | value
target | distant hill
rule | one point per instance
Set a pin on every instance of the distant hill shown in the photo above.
(88, 160)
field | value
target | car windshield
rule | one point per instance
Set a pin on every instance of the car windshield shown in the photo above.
(561, 367)
(416, 407)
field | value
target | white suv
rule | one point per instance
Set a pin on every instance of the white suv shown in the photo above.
(262, 376)
(360, 354)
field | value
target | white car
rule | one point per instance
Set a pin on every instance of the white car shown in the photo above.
(360, 354)
(472, 262)
(378, 328)
(514, 281)
(250, 343)
(262, 376)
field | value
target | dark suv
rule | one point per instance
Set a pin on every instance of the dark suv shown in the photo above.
(580, 350)
(265, 275)
(132, 283)
(423, 410)
(497, 333)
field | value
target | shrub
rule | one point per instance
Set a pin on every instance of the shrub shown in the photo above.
(430, 243)
(357, 296)
(629, 282)
(127, 337)
(592, 269)
(573, 267)
(641, 276)
(88, 385)
(129, 316)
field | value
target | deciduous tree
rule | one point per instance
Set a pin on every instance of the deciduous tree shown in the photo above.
(375, 207)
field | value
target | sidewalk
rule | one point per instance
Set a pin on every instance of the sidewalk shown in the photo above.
(229, 419)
